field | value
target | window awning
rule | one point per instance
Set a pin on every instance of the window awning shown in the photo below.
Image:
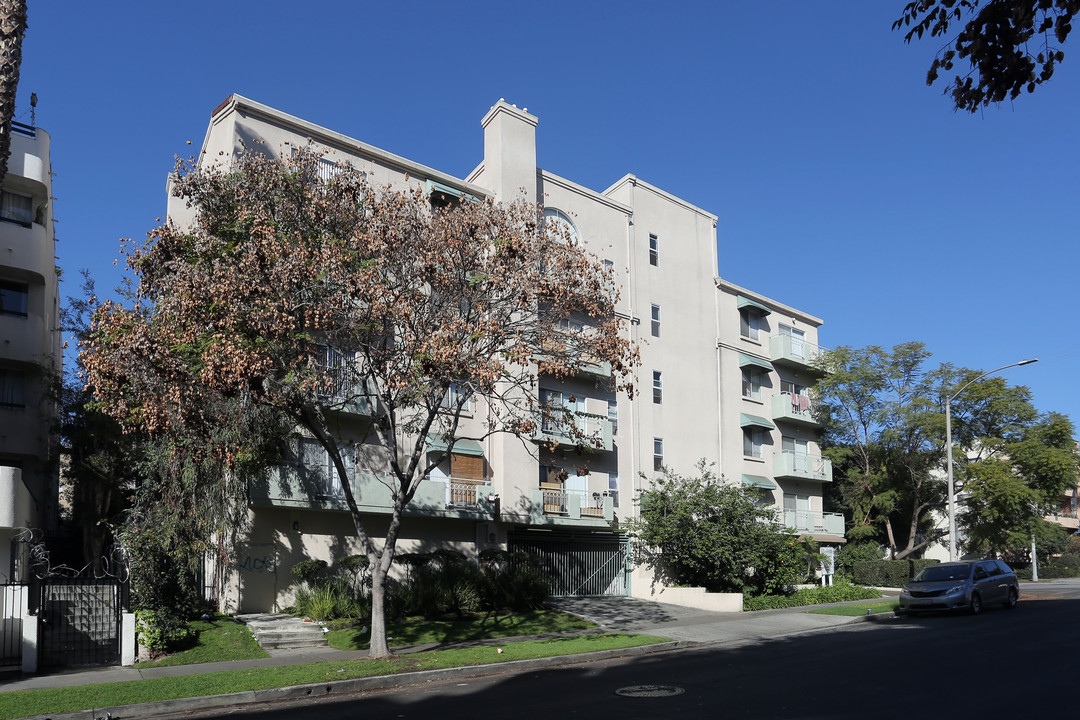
(758, 481)
(744, 302)
(434, 187)
(462, 446)
(746, 420)
(745, 360)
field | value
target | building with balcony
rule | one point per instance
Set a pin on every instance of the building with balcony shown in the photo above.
(767, 357)
(30, 348)
(545, 495)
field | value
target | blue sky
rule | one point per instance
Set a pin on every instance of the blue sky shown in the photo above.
(845, 187)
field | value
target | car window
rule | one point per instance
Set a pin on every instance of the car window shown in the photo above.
(1004, 567)
(937, 573)
(990, 568)
(980, 572)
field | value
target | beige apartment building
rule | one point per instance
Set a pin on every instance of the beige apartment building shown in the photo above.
(30, 348)
(697, 335)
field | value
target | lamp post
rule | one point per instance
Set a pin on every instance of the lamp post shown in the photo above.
(948, 447)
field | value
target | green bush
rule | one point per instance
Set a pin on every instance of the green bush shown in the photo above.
(886, 573)
(1065, 566)
(329, 601)
(841, 592)
(163, 631)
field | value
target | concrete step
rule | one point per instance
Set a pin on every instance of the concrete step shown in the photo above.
(277, 631)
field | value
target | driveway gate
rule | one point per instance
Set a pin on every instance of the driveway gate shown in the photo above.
(81, 621)
(579, 566)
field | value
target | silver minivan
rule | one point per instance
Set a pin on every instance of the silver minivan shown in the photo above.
(968, 584)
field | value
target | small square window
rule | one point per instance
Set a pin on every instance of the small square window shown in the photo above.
(657, 387)
(655, 326)
(14, 298)
(654, 250)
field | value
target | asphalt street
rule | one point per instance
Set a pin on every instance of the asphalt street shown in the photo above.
(1001, 664)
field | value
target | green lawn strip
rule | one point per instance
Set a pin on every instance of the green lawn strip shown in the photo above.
(23, 703)
(421, 631)
(223, 638)
(859, 609)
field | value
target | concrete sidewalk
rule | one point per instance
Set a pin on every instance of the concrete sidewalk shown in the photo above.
(616, 614)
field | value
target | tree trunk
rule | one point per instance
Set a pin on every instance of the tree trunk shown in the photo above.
(379, 647)
(12, 28)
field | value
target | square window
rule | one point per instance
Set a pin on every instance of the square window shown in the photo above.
(654, 250)
(12, 389)
(657, 387)
(16, 208)
(14, 298)
(655, 325)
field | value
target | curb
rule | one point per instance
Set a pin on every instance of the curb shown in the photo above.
(380, 682)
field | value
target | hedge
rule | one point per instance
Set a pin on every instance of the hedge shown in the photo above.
(886, 573)
(840, 592)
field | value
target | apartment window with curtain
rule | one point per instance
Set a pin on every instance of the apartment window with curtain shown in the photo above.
(658, 454)
(753, 439)
(751, 383)
(654, 250)
(749, 322)
(655, 325)
(15, 208)
(657, 387)
(14, 298)
(12, 389)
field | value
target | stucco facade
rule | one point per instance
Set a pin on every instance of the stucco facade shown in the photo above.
(688, 407)
(29, 347)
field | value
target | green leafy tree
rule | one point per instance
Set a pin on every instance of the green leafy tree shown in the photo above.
(886, 435)
(349, 311)
(702, 532)
(1009, 45)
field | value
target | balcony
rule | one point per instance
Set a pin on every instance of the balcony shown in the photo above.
(589, 430)
(793, 352)
(802, 466)
(553, 505)
(455, 497)
(796, 409)
(28, 248)
(563, 342)
(806, 521)
(25, 339)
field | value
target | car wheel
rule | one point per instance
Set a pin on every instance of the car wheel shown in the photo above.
(1013, 597)
(976, 604)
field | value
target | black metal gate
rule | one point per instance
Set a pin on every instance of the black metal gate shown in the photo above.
(80, 621)
(579, 566)
(12, 602)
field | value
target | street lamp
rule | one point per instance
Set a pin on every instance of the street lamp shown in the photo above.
(948, 448)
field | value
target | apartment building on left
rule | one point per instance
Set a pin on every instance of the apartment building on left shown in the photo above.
(30, 347)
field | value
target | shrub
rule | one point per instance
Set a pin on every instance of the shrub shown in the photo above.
(308, 571)
(840, 592)
(162, 631)
(885, 573)
(329, 601)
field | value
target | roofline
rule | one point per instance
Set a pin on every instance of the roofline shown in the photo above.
(722, 284)
(634, 180)
(582, 190)
(319, 133)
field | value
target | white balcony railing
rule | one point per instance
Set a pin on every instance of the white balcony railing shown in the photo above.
(810, 521)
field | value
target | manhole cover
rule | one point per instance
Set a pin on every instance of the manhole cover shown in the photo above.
(649, 691)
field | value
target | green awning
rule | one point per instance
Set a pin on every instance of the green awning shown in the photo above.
(758, 481)
(435, 187)
(744, 301)
(746, 420)
(745, 360)
(462, 446)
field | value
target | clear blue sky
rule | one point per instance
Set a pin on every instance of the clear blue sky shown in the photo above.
(845, 187)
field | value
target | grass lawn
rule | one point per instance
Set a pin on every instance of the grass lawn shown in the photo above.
(23, 703)
(219, 639)
(859, 609)
(419, 631)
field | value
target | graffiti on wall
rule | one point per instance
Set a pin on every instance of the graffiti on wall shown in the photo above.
(264, 564)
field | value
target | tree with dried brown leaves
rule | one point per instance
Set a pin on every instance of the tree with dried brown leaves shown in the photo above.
(353, 310)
